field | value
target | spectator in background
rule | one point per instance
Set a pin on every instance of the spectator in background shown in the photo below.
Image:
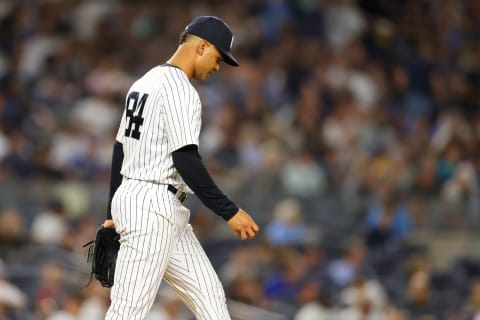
(388, 222)
(471, 310)
(450, 157)
(286, 227)
(394, 313)
(318, 309)
(50, 225)
(248, 289)
(70, 309)
(420, 301)
(343, 270)
(244, 272)
(285, 284)
(19, 159)
(12, 299)
(50, 294)
(303, 177)
(363, 294)
(314, 298)
(362, 310)
(316, 260)
(13, 233)
(239, 264)
(425, 176)
(462, 187)
(95, 303)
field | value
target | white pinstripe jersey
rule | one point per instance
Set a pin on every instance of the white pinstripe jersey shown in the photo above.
(162, 114)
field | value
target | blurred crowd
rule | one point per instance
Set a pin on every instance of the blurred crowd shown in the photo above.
(349, 128)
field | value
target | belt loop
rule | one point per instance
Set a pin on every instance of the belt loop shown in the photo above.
(180, 195)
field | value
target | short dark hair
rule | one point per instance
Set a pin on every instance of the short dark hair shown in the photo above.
(183, 37)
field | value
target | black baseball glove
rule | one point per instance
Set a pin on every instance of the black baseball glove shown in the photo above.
(102, 255)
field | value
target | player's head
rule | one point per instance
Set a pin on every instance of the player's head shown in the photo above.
(213, 40)
(217, 32)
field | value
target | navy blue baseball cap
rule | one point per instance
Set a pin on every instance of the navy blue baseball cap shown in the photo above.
(217, 32)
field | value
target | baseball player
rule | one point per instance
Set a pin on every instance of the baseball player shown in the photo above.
(155, 165)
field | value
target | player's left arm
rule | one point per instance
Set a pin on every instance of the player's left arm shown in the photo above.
(189, 164)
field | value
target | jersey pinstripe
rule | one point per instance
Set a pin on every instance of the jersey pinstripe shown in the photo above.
(162, 114)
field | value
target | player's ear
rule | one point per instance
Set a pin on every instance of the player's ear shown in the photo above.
(201, 47)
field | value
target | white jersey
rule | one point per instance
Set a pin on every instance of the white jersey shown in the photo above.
(162, 114)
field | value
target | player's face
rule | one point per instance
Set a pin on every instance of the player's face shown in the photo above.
(208, 61)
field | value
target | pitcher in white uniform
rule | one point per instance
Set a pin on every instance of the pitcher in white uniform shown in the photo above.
(155, 165)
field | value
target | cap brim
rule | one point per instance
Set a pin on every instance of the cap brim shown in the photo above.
(229, 58)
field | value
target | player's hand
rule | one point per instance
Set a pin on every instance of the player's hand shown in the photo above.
(243, 225)
(109, 224)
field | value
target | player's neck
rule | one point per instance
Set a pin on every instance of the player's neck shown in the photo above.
(182, 60)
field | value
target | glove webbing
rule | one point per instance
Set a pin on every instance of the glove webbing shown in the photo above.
(102, 257)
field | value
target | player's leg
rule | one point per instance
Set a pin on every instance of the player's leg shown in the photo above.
(191, 275)
(146, 241)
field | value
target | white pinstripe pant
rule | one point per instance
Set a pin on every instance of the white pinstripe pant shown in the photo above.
(158, 243)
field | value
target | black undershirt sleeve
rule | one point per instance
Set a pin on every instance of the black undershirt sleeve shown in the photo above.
(189, 164)
(115, 176)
